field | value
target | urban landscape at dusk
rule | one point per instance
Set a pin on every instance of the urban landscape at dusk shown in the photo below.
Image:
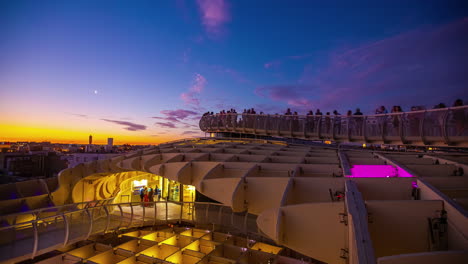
(234, 131)
(145, 72)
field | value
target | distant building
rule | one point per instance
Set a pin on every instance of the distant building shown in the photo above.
(110, 144)
(77, 158)
(90, 139)
(37, 165)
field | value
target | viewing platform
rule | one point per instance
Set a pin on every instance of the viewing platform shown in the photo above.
(436, 127)
(328, 204)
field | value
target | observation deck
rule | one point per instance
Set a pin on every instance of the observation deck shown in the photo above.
(326, 203)
(438, 127)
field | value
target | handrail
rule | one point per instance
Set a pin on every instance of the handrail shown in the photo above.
(58, 207)
(51, 232)
(398, 113)
(62, 214)
(439, 127)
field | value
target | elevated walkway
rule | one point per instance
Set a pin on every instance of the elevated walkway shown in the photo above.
(26, 240)
(295, 195)
(438, 127)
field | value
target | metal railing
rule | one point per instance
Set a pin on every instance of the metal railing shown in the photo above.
(447, 126)
(42, 234)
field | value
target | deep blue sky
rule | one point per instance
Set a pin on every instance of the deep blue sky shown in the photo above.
(115, 65)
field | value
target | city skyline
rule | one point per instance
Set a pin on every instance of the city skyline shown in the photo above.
(144, 72)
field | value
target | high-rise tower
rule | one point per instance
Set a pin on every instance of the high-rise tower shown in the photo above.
(90, 139)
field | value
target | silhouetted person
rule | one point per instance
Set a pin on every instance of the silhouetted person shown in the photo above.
(440, 105)
(381, 110)
(337, 122)
(458, 102)
(358, 121)
(358, 112)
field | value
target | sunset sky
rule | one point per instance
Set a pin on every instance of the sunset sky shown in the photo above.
(143, 72)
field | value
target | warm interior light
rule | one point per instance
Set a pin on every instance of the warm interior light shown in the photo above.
(140, 183)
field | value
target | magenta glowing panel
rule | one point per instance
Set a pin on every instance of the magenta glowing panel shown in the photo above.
(378, 171)
(403, 173)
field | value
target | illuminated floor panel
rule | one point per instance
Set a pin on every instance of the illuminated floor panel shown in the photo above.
(175, 245)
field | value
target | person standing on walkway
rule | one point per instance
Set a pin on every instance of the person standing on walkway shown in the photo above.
(150, 194)
(142, 193)
(145, 197)
(158, 193)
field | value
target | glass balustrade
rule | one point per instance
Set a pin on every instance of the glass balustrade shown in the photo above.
(72, 223)
(447, 126)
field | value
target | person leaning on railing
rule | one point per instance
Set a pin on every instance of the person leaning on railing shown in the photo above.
(337, 122)
(310, 120)
(358, 121)
(396, 118)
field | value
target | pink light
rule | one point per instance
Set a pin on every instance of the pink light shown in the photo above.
(403, 173)
(378, 171)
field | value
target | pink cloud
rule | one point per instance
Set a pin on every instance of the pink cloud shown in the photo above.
(197, 87)
(190, 132)
(293, 95)
(198, 84)
(173, 117)
(165, 124)
(269, 108)
(214, 14)
(189, 99)
(127, 125)
(179, 113)
(300, 102)
(420, 67)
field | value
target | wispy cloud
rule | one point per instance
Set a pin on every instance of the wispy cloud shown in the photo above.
(165, 124)
(426, 63)
(79, 115)
(214, 14)
(269, 108)
(293, 95)
(237, 76)
(190, 132)
(177, 115)
(278, 62)
(128, 125)
(190, 97)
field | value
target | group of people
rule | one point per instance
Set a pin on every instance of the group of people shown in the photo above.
(148, 194)
(458, 102)
(357, 112)
(398, 109)
(391, 123)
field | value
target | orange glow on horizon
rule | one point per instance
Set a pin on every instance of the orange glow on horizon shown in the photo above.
(56, 135)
